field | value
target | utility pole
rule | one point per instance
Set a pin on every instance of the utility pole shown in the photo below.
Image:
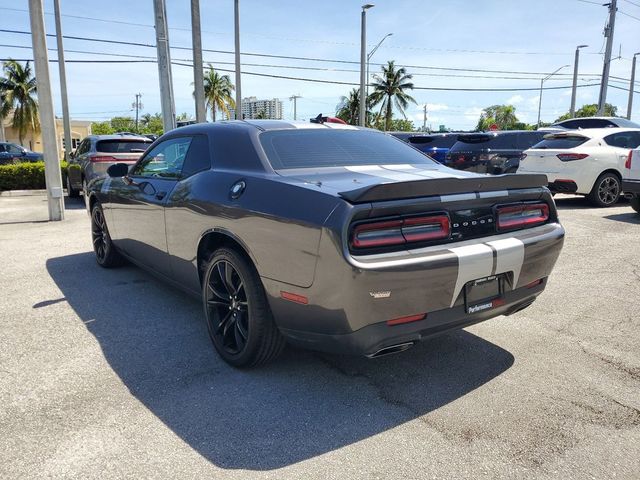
(632, 85)
(424, 120)
(363, 60)
(198, 79)
(572, 110)
(53, 177)
(236, 15)
(138, 106)
(295, 111)
(66, 121)
(164, 66)
(608, 33)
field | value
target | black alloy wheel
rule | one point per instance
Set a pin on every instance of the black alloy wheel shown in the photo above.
(238, 316)
(606, 190)
(106, 254)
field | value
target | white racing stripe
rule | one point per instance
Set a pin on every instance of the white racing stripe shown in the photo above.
(496, 193)
(476, 261)
(378, 171)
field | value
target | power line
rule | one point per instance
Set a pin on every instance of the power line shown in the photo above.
(633, 3)
(628, 15)
(589, 1)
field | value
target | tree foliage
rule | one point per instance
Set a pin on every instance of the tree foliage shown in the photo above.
(147, 124)
(18, 87)
(390, 90)
(504, 116)
(218, 92)
(591, 110)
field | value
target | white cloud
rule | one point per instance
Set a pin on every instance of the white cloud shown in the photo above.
(515, 100)
(473, 113)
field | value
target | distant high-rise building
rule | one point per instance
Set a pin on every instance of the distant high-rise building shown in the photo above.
(252, 108)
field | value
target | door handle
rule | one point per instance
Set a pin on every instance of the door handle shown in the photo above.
(160, 195)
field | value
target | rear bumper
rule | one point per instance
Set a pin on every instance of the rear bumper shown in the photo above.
(563, 186)
(373, 338)
(350, 301)
(631, 186)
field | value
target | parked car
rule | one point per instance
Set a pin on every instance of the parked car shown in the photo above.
(97, 152)
(595, 122)
(631, 179)
(586, 162)
(491, 152)
(12, 153)
(332, 237)
(436, 145)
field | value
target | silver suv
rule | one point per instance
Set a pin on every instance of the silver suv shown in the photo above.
(97, 152)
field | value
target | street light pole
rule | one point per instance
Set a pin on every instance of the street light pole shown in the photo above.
(572, 110)
(363, 61)
(369, 55)
(541, 84)
(632, 85)
(53, 177)
(198, 71)
(66, 121)
(236, 14)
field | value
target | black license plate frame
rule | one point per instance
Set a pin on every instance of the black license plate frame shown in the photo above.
(481, 293)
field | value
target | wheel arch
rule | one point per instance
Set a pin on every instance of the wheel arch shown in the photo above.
(216, 238)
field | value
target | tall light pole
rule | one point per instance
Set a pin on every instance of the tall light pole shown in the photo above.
(53, 177)
(236, 14)
(608, 33)
(363, 61)
(632, 85)
(198, 71)
(66, 122)
(541, 84)
(369, 55)
(164, 66)
(572, 110)
(294, 98)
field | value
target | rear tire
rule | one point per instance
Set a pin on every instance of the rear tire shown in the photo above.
(239, 319)
(635, 203)
(72, 192)
(106, 254)
(605, 191)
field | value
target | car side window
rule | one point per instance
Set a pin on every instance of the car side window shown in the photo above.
(83, 147)
(622, 140)
(198, 157)
(165, 160)
(14, 149)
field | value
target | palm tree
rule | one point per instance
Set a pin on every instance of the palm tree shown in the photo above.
(19, 92)
(218, 91)
(389, 90)
(5, 108)
(349, 107)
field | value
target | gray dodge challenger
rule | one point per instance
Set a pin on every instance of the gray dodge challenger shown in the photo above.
(326, 236)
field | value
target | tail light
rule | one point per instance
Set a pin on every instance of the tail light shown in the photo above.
(568, 157)
(108, 158)
(524, 215)
(627, 164)
(401, 231)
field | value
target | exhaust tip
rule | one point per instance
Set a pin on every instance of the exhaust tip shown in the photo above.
(400, 347)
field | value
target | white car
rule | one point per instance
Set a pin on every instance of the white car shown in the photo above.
(585, 162)
(631, 179)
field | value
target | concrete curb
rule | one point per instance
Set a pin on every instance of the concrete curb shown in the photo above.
(22, 193)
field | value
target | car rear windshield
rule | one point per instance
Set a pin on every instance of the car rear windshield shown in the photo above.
(312, 148)
(122, 146)
(484, 141)
(561, 142)
(433, 141)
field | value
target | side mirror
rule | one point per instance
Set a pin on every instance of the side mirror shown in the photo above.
(23, 153)
(118, 170)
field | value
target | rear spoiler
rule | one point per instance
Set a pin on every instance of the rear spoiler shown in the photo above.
(442, 186)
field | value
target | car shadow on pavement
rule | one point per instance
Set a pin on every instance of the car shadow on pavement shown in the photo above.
(303, 405)
(76, 203)
(630, 217)
(576, 202)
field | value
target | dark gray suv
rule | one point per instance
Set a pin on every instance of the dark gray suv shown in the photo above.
(97, 152)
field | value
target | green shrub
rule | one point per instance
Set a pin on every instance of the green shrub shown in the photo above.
(26, 176)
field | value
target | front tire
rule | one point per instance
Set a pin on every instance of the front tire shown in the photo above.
(238, 316)
(72, 192)
(106, 254)
(606, 191)
(635, 203)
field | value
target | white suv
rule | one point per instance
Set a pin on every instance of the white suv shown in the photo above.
(631, 179)
(586, 162)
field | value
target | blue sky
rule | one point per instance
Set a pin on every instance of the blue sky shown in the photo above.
(523, 36)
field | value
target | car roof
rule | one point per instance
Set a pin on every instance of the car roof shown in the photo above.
(118, 136)
(596, 132)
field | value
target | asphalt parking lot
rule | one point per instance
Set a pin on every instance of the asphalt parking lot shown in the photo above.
(110, 374)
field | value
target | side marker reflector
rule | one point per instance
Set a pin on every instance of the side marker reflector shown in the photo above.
(294, 297)
(410, 318)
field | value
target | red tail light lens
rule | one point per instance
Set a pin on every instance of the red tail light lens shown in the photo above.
(627, 164)
(568, 157)
(519, 216)
(401, 231)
